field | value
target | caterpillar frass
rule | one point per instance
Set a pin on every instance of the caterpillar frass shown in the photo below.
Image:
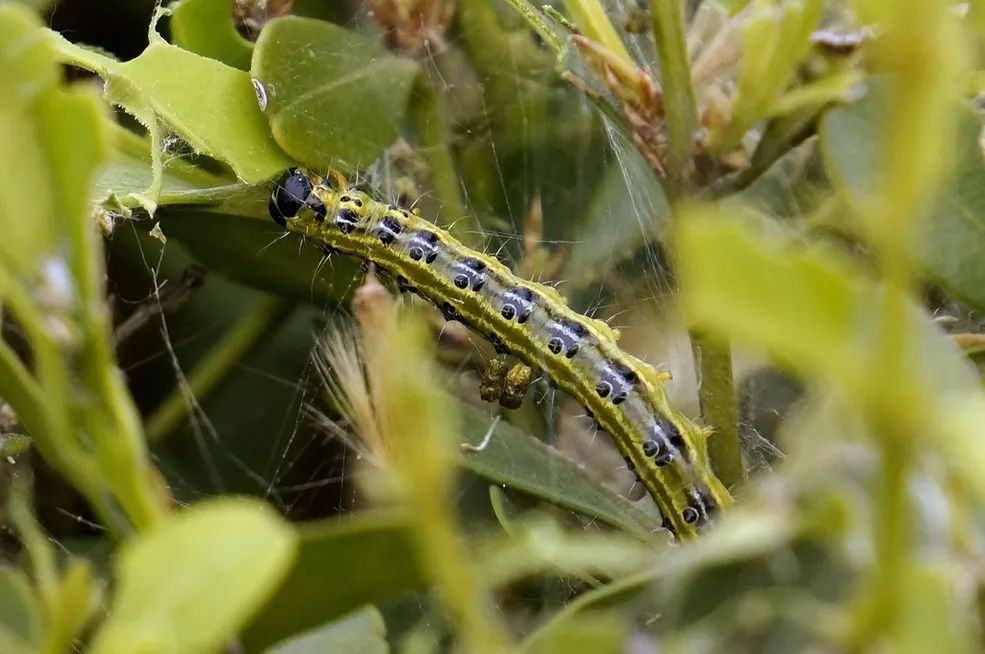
(622, 394)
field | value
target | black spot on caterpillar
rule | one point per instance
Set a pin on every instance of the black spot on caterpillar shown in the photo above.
(624, 396)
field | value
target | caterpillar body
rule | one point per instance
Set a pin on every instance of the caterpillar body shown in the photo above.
(621, 393)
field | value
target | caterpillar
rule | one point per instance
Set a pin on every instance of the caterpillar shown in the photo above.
(623, 395)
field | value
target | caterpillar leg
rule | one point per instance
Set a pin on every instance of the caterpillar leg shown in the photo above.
(491, 387)
(337, 180)
(515, 386)
(508, 386)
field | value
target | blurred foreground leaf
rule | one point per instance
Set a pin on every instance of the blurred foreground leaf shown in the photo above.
(191, 584)
(809, 307)
(954, 229)
(818, 314)
(20, 615)
(27, 80)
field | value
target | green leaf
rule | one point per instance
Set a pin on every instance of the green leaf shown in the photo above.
(206, 27)
(360, 632)
(522, 462)
(233, 129)
(154, 88)
(367, 558)
(334, 97)
(793, 187)
(188, 586)
(72, 604)
(932, 617)
(954, 227)
(20, 615)
(14, 444)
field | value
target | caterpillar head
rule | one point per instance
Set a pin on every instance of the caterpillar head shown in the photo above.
(290, 195)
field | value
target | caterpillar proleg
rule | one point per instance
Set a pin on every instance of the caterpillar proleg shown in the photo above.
(622, 394)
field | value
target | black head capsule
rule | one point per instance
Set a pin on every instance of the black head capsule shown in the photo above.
(388, 230)
(690, 515)
(651, 447)
(290, 194)
(467, 273)
(518, 302)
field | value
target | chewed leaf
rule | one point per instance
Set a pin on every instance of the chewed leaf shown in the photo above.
(154, 88)
(206, 28)
(334, 96)
(233, 130)
(191, 584)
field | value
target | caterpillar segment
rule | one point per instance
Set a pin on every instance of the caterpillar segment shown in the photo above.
(623, 395)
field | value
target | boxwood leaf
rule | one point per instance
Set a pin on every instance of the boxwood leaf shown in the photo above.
(189, 585)
(335, 98)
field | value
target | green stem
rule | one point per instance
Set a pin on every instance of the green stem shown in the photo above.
(259, 318)
(678, 92)
(719, 408)
(892, 535)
